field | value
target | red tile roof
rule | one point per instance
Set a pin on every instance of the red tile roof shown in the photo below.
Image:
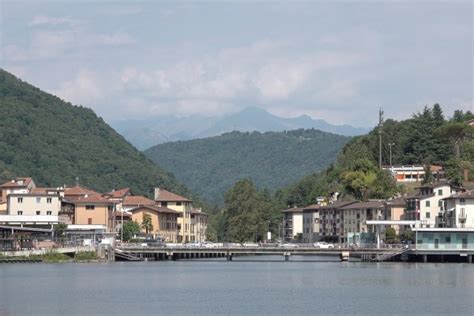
(167, 196)
(93, 198)
(154, 208)
(118, 194)
(137, 200)
(15, 184)
(78, 190)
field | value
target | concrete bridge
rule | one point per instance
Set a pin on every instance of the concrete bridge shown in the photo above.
(136, 253)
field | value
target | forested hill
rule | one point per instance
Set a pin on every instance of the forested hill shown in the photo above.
(272, 160)
(54, 142)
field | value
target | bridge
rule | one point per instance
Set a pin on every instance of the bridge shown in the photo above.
(139, 253)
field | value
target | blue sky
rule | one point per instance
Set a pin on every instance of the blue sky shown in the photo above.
(335, 60)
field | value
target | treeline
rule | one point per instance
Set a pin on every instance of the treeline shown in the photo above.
(426, 138)
(272, 160)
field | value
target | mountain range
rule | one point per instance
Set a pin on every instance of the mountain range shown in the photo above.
(157, 130)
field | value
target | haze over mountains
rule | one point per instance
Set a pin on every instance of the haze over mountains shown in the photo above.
(153, 131)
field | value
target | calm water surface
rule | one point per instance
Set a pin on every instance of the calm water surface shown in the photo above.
(236, 288)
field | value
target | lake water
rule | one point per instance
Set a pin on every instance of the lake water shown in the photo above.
(237, 288)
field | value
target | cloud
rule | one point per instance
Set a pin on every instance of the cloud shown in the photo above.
(86, 88)
(41, 20)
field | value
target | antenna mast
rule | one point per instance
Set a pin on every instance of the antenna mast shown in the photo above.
(380, 137)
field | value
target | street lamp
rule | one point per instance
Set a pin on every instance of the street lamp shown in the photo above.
(390, 148)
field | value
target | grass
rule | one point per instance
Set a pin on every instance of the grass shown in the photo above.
(85, 256)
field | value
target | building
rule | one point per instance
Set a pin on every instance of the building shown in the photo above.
(459, 210)
(292, 223)
(163, 220)
(90, 207)
(331, 221)
(428, 204)
(355, 229)
(311, 223)
(18, 185)
(134, 201)
(414, 173)
(395, 211)
(188, 217)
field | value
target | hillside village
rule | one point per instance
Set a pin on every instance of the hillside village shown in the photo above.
(30, 214)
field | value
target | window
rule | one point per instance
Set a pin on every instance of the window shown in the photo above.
(463, 200)
(90, 207)
(316, 220)
(20, 212)
(448, 239)
(178, 203)
(427, 203)
(49, 200)
(164, 204)
(427, 215)
(38, 200)
(38, 212)
(49, 213)
(20, 200)
(440, 192)
(89, 221)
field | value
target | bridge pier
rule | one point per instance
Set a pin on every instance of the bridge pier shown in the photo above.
(425, 258)
(229, 256)
(469, 258)
(287, 256)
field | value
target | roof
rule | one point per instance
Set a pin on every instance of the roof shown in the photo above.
(293, 210)
(137, 200)
(167, 196)
(336, 205)
(44, 190)
(79, 190)
(419, 196)
(93, 198)
(14, 183)
(198, 211)
(463, 195)
(397, 202)
(117, 194)
(365, 205)
(154, 208)
(435, 185)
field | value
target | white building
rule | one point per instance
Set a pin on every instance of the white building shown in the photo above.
(428, 204)
(459, 210)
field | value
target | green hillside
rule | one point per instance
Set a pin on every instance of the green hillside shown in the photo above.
(428, 137)
(54, 142)
(271, 160)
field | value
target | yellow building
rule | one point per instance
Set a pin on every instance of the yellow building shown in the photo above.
(91, 208)
(163, 220)
(192, 223)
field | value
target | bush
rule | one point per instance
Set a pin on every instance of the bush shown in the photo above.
(85, 256)
(53, 256)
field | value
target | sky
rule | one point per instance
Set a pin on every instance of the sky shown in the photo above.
(334, 60)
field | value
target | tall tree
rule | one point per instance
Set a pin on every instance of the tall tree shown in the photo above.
(147, 224)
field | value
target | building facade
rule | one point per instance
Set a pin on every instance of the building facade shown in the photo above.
(311, 223)
(163, 220)
(292, 223)
(355, 229)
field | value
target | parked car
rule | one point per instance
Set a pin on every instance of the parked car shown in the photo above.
(323, 245)
(250, 244)
(289, 245)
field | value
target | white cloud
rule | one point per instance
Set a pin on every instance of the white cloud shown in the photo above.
(86, 88)
(41, 20)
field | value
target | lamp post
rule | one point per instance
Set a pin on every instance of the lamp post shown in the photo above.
(390, 149)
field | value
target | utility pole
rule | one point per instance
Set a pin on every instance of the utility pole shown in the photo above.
(380, 137)
(390, 147)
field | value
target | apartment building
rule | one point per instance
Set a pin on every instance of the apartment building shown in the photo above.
(163, 220)
(292, 223)
(311, 225)
(354, 217)
(331, 221)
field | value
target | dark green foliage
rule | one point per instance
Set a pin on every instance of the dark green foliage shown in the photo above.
(271, 160)
(248, 213)
(130, 228)
(54, 142)
(391, 236)
(147, 223)
(85, 256)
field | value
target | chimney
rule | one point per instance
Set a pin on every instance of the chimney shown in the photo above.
(157, 193)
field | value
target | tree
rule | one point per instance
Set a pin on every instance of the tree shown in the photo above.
(391, 236)
(59, 230)
(130, 228)
(147, 224)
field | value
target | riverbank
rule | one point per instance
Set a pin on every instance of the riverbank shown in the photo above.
(53, 257)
